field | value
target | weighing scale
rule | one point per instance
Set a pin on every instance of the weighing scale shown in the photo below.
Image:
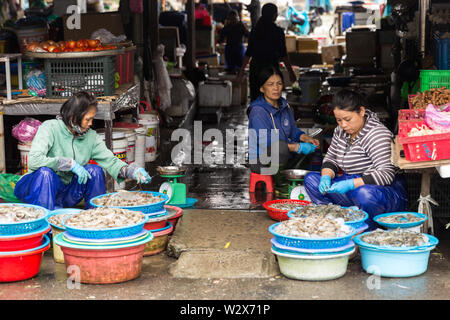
(174, 189)
(297, 190)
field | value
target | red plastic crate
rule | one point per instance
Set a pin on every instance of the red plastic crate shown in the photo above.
(423, 148)
(125, 65)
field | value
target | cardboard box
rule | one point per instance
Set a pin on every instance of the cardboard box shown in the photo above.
(306, 44)
(291, 43)
(329, 53)
(91, 22)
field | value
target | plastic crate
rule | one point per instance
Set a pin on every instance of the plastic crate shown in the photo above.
(434, 79)
(125, 65)
(64, 77)
(441, 53)
(423, 148)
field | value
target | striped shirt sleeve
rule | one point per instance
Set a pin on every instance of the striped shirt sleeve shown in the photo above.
(377, 144)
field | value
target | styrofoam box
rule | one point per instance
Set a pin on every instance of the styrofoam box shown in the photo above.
(215, 93)
(444, 171)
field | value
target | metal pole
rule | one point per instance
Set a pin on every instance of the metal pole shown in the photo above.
(423, 9)
(190, 50)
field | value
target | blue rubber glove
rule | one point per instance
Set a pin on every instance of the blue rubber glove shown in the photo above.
(325, 183)
(306, 148)
(81, 172)
(141, 176)
(342, 187)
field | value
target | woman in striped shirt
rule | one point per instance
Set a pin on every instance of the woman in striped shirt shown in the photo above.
(361, 149)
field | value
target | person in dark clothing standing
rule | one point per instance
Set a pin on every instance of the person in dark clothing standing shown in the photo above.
(266, 47)
(234, 32)
(255, 11)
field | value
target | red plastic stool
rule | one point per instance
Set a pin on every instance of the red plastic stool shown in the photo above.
(255, 178)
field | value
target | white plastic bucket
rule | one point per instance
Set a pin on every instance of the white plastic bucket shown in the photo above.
(131, 138)
(24, 151)
(139, 148)
(119, 148)
(151, 138)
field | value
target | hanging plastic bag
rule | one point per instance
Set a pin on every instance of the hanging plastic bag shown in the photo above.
(7, 184)
(164, 83)
(26, 129)
(436, 119)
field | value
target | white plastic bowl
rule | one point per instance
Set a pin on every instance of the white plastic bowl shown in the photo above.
(313, 267)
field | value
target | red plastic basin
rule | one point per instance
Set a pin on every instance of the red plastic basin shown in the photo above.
(174, 219)
(25, 242)
(280, 215)
(105, 266)
(21, 266)
(155, 225)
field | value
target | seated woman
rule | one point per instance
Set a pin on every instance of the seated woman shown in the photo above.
(272, 128)
(361, 148)
(59, 175)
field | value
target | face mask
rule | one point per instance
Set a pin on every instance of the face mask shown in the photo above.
(77, 129)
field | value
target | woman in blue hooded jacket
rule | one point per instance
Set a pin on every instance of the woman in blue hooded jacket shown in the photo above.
(274, 140)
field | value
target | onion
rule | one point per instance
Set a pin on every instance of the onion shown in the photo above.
(32, 46)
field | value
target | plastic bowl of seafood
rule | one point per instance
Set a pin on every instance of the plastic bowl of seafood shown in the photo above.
(24, 241)
(404, 220)
(55, 220)
(312, 232)
(104, 223)
(178, 214)
(19, 218)
(353, 216)
(160, 239)
(102, 263)
(22, 264)
(278, 209)
(313, 266)
(144, 201)
(395, 253)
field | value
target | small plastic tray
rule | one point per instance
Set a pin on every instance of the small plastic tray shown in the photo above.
(400, 225)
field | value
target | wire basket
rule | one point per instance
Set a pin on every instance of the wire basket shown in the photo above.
(26, 226)
(401, 225)
(308, 243)
(105, 233)
(147, 209)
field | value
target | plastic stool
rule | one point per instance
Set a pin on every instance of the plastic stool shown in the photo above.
(255, 178)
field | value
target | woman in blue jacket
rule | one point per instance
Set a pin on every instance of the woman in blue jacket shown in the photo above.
(274, 140)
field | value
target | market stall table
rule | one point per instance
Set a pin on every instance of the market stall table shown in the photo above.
(426, 169)
(126, 96)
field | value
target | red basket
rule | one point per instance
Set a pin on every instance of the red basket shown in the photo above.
(21, 266)
(280, 215)
(23, 242)
(423, 148)
(174, 219)
(411, 114)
